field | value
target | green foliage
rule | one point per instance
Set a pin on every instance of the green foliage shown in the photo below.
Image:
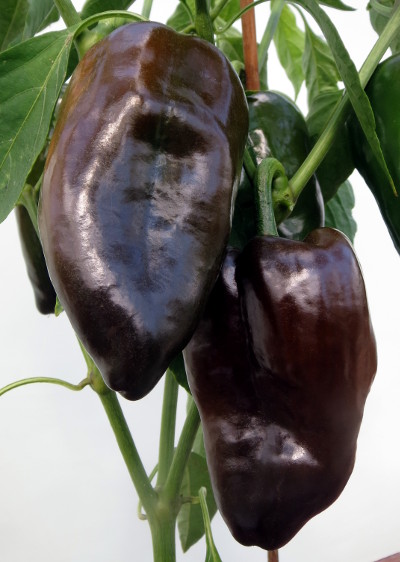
(338, 4)
(320, 70)
(183, 15)
(190, 520)
(338, 211)
(92, 7)
(289, 42)
(379, 14)
(177, 367)
(12, 21)
(32, 74)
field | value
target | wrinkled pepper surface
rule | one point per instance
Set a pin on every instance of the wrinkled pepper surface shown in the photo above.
(383, 91)
(137, 196)
(278, 129)
(280, 367)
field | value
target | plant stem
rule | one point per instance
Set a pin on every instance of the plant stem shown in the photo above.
(174, 481)
(147, 6)
(145, 491)
(50, 380)
(167, 433)
(203, 22)
(250, 47)
(321, 147)
(273, 556)
(163, 537)
(276, 10)
(268, 172)
(67, 11)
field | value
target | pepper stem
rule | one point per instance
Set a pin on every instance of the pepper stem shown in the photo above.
(167, 432)
(203, 22)
(273, 196)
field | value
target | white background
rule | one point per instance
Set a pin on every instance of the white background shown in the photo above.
(65, 494)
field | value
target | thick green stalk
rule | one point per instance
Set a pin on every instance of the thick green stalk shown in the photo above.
(67, 11)
(126, 445)
(203, 22)
(270, 174)
(163, 537)
(172, 487)
(147, 6)
(321, 147)
(167, 433)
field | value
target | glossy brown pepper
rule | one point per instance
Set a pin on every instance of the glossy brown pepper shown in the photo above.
(137, 196)
(280, 367)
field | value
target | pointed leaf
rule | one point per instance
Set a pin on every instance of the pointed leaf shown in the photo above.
(289, 43)
(349, 75)
(379, 14)
(31, 76)
(92, 7)
(319, 67)
(338, 4)
(338, 211)
(12, 21)
(41, 14)
(190, 519)
(177, 367)
(181, 18)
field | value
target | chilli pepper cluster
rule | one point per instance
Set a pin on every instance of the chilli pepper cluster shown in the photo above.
(135, 216)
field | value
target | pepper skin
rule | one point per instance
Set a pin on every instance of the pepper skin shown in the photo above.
(137, 196)
(280, 367)
(383, 91)
(278, 129)
(43, 290)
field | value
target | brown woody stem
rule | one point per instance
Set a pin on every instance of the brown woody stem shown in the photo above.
(250, 47)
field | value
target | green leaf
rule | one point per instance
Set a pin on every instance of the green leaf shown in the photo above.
(198, 443)
(31, 76)
(12, 21)
(319, 67)
(212, 553)
(229, 11)
(177, 367)
(190, 519)
(338, 4)
(41, 14)
(231, 44)
(92, 7)
(349, 75)
(180, 18)
(338, 211)
(379, 15)
(289, 42)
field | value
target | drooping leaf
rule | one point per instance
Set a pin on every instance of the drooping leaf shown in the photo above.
(319, 68)
(338, 211)
(338, 4)
(198, 443)
(212, 552)
(92, 7)
(350, 77)
(289, 42)
(229, 11)
(181, 18)
(41, 14)
(177, 367)
(12, 21)
(190, 519)
(231, 44)
(379, 15)
(31, 76)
